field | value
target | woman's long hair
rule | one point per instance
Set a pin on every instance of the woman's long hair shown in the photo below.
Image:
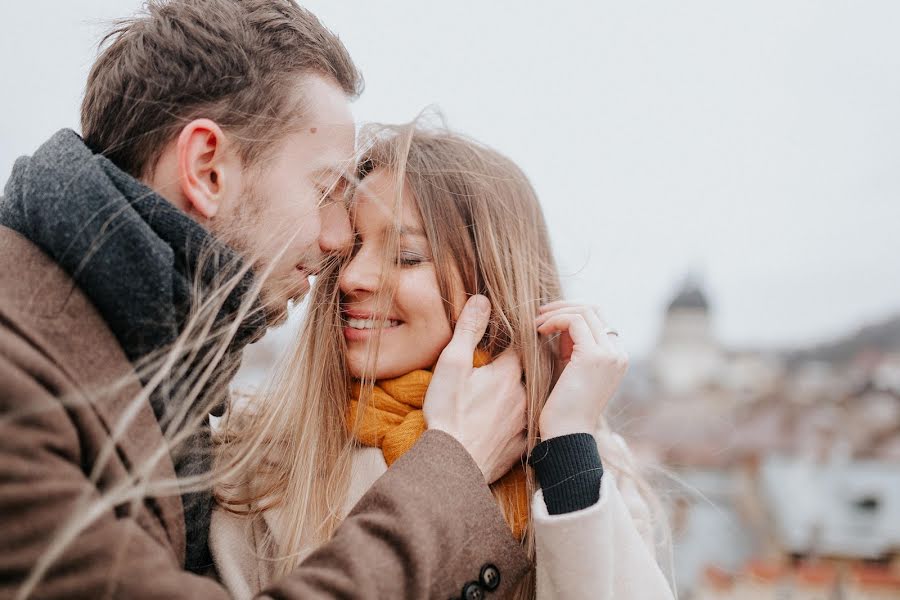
(482, 218)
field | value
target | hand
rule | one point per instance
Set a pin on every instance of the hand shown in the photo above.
(484, 408)
(593, 363)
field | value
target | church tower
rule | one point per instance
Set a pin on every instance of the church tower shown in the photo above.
(687, 356)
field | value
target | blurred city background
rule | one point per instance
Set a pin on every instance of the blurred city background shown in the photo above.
(722, 178)
(779, 466)
(788, 458)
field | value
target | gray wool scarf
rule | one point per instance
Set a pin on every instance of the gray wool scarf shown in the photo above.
(138, 258)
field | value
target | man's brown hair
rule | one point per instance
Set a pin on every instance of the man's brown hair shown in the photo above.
(233, 61)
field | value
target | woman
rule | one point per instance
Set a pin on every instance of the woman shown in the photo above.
(438, 218)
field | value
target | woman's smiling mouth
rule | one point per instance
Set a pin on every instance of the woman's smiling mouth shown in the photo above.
(359, 326)
(370, 323)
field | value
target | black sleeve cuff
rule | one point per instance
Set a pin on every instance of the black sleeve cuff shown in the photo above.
(569, 470)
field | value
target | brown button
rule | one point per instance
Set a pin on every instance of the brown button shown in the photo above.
(472, 591)
(490, 577)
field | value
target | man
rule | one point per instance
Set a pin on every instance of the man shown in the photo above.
(211, 131)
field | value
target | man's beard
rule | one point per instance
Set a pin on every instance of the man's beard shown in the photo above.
(276, 297)
(276, 289)
(239, 231)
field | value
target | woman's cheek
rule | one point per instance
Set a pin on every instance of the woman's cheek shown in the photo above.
(421, 302)
(417, 292)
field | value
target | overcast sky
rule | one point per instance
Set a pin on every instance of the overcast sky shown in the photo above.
(757, 143)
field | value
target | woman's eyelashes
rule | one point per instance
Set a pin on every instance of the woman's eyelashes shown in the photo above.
(410, 259)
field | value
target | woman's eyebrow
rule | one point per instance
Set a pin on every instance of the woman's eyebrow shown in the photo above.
(412, 230)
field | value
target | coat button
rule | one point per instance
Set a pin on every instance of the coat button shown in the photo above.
(472, 591)
(490, 577)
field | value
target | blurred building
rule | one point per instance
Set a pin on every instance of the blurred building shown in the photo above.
(687, 357)
(784, 465)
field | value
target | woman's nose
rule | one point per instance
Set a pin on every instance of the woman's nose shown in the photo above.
(362, 272)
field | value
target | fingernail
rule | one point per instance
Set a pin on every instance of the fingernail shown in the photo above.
(481, 303)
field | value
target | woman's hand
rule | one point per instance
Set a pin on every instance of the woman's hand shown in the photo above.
(593, 363)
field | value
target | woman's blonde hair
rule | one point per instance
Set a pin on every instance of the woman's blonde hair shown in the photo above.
(484, 224)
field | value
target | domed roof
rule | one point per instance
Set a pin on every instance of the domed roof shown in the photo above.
(690, 296)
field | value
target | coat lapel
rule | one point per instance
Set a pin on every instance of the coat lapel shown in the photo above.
(49, 309)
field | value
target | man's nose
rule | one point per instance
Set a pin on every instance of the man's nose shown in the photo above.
(336, 234)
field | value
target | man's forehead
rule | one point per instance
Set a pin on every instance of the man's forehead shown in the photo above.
(330, 132)
(339, 136)
(324, 151)
(324, 107)
(322, 121)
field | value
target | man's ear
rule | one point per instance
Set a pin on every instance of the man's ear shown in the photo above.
(204, 168)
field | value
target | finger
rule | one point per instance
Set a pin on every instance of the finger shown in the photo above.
(572, 308)
(470, 328)
(550, 306)
(596, 324)
(592, 314)
(472, 322)
(611, 337)
(574, 324)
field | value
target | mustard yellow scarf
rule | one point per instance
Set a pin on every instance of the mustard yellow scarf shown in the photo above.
(393, 421)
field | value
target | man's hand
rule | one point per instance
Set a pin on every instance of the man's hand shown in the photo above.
(483, 408)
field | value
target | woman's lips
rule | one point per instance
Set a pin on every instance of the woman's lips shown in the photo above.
(370, 323)
(357, 327)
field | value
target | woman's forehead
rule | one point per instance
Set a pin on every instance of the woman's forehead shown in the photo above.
(375, 201)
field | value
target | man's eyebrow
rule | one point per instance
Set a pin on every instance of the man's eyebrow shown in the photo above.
(340, 182)
(340, 173)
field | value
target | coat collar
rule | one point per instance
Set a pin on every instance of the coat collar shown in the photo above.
(146, 267)
(46, 307)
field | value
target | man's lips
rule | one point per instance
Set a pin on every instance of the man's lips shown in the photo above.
(301, 286)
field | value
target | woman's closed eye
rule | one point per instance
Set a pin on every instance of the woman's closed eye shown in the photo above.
(410, 259)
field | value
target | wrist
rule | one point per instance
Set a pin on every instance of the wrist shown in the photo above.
(553, 429)
(569, 471)
(466, 445)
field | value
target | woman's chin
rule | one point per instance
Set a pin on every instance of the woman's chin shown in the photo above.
(391, 363)
(375, 375)
(359, 370)
(382, 371)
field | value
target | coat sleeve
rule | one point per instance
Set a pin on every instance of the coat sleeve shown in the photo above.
(45, 491)
(427, 526)
(602, 552)
(423, 530)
